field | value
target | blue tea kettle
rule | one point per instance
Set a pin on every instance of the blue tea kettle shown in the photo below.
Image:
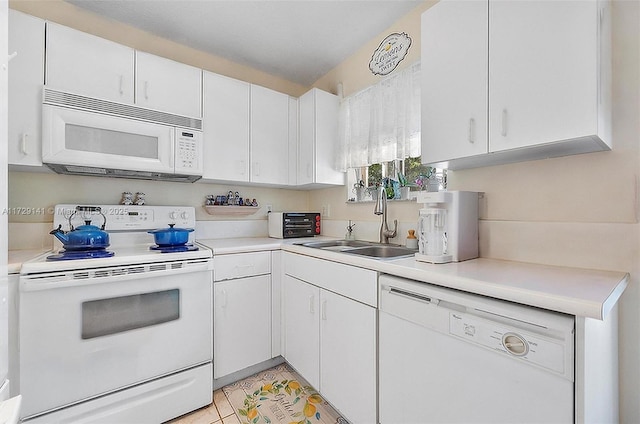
(84, 237)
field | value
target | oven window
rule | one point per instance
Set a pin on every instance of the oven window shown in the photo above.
(118, 314)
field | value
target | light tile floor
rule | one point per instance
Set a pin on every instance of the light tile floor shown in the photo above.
(219, 412)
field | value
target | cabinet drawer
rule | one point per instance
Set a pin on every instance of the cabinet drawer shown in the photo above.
(356, 283)
(238, 265)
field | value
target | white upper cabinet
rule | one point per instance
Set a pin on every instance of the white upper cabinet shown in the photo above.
(26, 76)
(454, 80)
(85, 64)
(547, 91)
(318, 142)
(169, 86)
(225, 123)
(293, 140)
(269, 145)
(543, 77)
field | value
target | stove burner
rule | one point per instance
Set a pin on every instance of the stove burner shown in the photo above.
(69, 255)
(174, 249)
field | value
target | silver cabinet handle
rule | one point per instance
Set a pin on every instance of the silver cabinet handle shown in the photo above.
(223, 303)
(24, 146)
(324, 310)
(146, 90)
(504, 123)
(312, 308)
(472, 130)
(121, 85)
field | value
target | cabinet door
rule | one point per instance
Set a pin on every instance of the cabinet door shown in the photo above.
(542, 72)
(454, 60)
(226, 128)
(318, 139)
(242, 324)
(301, 328)
(169, 86)
(305, 142)
(26, 76)
(293, 141)
(85, 64)
(348, 356)
(269, 136)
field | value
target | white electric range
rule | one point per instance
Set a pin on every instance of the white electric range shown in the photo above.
(123, 338)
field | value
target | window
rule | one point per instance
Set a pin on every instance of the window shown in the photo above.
(418, 177)
(380, 136)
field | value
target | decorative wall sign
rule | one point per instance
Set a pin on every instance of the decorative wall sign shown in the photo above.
(390, 53)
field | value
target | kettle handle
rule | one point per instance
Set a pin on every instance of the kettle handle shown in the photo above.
(88, 209)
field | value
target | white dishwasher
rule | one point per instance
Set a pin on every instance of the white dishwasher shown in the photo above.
(454, 357)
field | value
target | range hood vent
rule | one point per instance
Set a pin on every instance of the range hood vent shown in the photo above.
(121, 173)
(76, 101)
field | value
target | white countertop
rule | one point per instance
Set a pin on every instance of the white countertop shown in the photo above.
(580, 292)
(15, 258)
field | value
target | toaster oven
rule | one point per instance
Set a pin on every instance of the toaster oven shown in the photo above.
(294, 224)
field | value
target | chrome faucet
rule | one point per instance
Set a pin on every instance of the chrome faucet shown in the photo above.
(381, 209)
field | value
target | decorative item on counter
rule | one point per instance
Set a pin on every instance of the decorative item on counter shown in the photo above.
(254, 203)
(240, 202)
(230, 199)
(360, 191)
(127, 198)
(210, 199)
(247, 202)
(412, 240)
(349, 235)
(139, 198)
(237, 199)
(373, 192)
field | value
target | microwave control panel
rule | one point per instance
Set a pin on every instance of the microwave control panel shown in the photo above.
(189, 151)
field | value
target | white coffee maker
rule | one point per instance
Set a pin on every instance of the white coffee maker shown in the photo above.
(448, 226)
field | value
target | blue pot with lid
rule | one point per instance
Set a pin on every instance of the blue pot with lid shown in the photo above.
(169, 237)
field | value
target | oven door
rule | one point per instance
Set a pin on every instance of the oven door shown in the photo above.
(81, 138)
(86, 333)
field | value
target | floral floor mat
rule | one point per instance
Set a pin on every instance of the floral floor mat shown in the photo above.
(279, 395)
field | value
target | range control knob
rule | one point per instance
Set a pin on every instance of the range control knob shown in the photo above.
(173, 215)
(515, 344)
(184, 215)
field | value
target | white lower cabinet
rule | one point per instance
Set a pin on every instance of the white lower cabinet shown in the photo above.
(348, 356)
(301, 328)
(241, 311)
(330, 339)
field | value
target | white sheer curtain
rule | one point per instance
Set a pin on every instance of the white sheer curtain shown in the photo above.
(382, 122)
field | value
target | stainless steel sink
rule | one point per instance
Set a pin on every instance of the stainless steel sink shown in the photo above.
(362, 248)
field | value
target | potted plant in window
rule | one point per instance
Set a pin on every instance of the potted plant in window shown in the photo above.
(405, 186)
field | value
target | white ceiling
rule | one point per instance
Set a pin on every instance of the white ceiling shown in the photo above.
(299, 40)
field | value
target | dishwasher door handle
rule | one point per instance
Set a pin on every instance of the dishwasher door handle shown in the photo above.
(412, 295)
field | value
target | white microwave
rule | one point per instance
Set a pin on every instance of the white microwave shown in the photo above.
(88, 136)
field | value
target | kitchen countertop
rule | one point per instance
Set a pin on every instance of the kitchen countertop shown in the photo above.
(575, 291)
(15, 258)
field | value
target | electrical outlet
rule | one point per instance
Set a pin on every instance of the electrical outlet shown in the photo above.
(326, 211)
(269, 208)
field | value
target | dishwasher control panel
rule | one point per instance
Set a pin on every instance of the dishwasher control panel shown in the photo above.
(536, 349)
